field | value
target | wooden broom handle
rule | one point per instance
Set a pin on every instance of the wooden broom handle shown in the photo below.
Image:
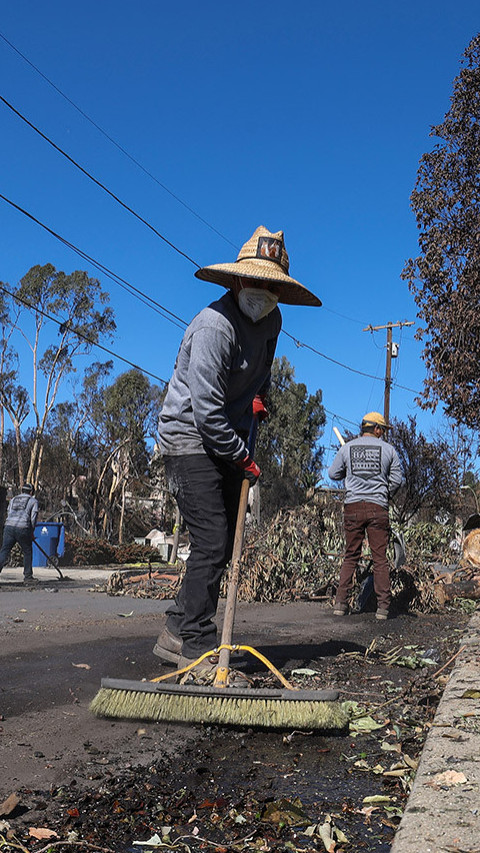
(231, 602)
(229, 617)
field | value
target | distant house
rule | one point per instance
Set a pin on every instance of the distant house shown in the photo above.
(158, 539)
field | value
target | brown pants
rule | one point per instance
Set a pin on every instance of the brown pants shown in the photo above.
(370, 518)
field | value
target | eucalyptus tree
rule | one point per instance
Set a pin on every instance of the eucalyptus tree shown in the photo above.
(126, 418)
(79, 306)
(74, 449)
(13, 396)
(288, 449)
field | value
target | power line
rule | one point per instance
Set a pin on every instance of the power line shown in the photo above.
(98, 183)
(340, 418)
(118, 200)
(300, 344)
(80, 334)
(141, 166)
(134, 160)
(143, 297)
(343, 316)
(137, 215)
(84, 337)
(117, 144)
(117, 355)
(117, 279)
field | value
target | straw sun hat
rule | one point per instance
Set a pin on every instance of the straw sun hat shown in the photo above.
(265, 259)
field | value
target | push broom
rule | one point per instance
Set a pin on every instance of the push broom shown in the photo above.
(286, 707)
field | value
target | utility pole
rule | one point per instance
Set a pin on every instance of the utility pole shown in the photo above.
(392, 352)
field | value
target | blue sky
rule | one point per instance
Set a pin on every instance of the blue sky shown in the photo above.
(308, 117)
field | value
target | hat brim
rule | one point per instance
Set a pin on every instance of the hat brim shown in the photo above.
(288, 290)
(375, 423)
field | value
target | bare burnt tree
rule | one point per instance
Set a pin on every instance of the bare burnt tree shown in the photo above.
(445, 277)
(430, 473)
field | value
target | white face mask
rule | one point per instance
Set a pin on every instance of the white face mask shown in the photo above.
(256, 303)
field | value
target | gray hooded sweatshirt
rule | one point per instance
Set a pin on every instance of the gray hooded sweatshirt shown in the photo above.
(224, 360)
(22, 512)
(371, 470)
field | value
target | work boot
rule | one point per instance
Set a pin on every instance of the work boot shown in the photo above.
(339, 609)
(30, 580)
(382, 613)
(168, 646)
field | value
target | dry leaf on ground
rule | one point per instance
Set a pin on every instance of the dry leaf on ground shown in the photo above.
(448, 777)
(9, 804)
(41, 832)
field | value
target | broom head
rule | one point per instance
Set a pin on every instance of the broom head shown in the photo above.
(183, 703)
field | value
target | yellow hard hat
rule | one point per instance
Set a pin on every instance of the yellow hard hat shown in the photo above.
(374, 419)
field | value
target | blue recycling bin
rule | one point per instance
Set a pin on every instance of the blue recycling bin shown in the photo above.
(51, 540)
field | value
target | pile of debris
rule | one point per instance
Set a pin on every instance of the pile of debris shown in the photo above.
(298, 554)
(461, 580)
(155, 583)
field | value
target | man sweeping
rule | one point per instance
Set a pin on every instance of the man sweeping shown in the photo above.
(20, 527)
(219, 383)
(372, 473)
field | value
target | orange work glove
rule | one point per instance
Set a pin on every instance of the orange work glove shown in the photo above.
(260, 411)
(250, 468)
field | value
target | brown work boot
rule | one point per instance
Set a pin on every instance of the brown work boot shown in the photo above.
(168, 646)
(339, 609)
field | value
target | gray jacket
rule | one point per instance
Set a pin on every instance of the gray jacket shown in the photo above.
(22, 512)
(371, 470)
(224, 360)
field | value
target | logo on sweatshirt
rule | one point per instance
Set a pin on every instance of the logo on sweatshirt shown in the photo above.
(365, 461)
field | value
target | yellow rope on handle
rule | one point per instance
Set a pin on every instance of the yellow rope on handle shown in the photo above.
(223, 682)
(184, 669)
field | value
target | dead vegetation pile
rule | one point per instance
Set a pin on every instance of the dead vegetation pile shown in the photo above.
(298, 555)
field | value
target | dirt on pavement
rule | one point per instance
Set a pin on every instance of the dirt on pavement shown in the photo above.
(109, 783)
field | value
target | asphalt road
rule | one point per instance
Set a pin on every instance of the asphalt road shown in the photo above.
(55, 645)
(58, 640)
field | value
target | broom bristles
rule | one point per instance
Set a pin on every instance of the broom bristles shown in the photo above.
(225, 710)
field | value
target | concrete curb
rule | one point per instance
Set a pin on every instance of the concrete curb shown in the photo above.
(443, 813)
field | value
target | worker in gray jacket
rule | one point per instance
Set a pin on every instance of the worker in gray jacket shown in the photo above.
(20, 527)
(220, 379)
(372, 473)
